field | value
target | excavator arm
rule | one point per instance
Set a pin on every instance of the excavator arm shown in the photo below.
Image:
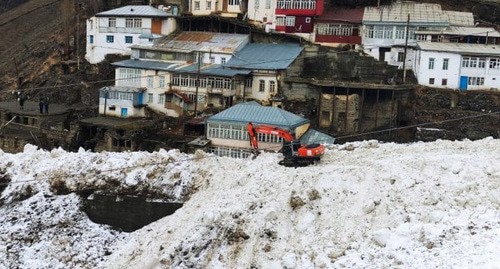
(295, 154)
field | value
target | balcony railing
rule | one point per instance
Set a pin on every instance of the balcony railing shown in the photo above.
(124, 30)
(291, 4)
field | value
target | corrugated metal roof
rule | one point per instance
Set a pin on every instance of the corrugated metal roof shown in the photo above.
(203, 41)
(457, 18)
(461, 48)
(265, 56)
(398, 13)
(122, 89)
(134, 11)
(465, 31)
(142, 64)
(342, 14)
(253, 112)
(314, 136)
(212, 70)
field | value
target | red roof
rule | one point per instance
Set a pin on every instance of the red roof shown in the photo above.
(343, 14)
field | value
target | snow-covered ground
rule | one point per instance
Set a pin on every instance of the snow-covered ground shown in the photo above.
(365, 205)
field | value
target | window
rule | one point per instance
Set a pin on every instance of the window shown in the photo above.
(161, 99)
(445, 64)
(272, 86)
(91, 24)
(495, 63)
(262, 85)
(130, 76)
(476, 81)
(248, 82)
(474, 62)
(334, 29)
(150, 81)
(162, 82)
(133, 23)
(431, 63)
(91, 39)
(234, 2)
(401, 56)
(112, 22)
(268, 4)
(212, 60)
(209, 5)
(280, 21)
(223, 60)
(197, 5)
(110, 39)
(431, 81)
(128, 39)
(444, 82)
(400, 32)
(150, 98)
(290, 21)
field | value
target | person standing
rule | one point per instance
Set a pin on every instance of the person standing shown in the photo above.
(40, 104)
(46, 105)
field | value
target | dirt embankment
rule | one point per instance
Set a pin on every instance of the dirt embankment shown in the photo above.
(454, 114)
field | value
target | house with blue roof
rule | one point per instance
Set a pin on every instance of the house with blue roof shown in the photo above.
(228, 135)
(191, 71)
(268, 64)
(115, 31)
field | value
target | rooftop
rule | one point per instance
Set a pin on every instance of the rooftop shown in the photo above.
(145, 64)
(398, 13)
(265, 56)
(457, 18)
(461, 48)
(134, 11)
(202, 41)
(256, 113)
(465, 31)
(342, 14)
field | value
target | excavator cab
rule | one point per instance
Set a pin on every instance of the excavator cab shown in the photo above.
(294, 152)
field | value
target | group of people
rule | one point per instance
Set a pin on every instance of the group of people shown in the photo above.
(43, 104)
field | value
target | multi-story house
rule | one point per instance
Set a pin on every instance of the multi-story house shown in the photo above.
(385, 28)
(114, 31)
(268, 64)
(285, 16)
(339, 26)
(169, 70)
(224, 8)
(458, 65)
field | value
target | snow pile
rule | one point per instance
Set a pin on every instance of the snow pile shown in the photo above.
(364, 205)
(367, 205)
(41, 229)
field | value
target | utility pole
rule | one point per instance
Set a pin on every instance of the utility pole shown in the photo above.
(406, 47)
(77, 7)
(197, 83)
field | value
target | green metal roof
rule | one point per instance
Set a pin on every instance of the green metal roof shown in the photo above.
(254, 112)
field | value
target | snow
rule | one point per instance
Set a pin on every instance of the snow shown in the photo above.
(365, 205)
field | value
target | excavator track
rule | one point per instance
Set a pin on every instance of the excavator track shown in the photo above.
(298, 162)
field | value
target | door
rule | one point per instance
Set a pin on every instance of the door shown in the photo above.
(156, 26)
(463, 83)
(124, 112)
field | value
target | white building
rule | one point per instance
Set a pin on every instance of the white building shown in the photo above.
(385, 28)
(458, 65)
(262, 13)
(224, 8)
(114, 31)
(121, 102)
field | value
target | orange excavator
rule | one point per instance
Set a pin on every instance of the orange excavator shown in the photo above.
(295, 153)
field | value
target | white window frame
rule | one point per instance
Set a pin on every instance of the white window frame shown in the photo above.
(262, 85)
